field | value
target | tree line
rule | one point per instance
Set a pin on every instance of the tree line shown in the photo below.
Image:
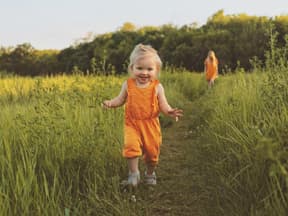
(236, 39)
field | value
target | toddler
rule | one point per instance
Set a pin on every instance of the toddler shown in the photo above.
(144, 98)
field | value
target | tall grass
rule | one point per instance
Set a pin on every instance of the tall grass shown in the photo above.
(58, 147)
(246, 142)
(60, 152)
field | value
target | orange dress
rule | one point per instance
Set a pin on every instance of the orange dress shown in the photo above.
(142, 132)
(211, 69)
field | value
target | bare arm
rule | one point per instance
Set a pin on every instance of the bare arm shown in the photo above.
(165, 107)
(119, 100)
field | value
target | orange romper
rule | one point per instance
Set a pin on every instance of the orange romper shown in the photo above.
(142, 132)
(211, 70)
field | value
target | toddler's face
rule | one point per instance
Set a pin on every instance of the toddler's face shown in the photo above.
(144, 70)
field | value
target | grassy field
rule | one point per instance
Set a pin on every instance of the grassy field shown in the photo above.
(61, 152)
(244, 145)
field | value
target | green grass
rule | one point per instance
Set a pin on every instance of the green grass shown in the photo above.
(246, 144)
(60, 152)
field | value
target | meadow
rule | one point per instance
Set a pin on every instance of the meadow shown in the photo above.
(61, 151)
(244, 149)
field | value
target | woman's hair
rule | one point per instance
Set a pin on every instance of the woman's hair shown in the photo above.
(141, 51)
(211, 56)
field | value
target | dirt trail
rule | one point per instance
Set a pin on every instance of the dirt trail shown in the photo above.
(179, 173)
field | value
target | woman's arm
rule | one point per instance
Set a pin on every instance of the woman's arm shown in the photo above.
(165, 107)
(119, 100)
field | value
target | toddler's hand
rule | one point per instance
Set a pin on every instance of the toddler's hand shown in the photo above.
(175, 113)
(107, 104)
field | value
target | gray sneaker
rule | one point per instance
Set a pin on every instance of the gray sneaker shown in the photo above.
(150, 179)
(133, 178)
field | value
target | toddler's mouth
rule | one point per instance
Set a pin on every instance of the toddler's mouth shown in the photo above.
(144, 77)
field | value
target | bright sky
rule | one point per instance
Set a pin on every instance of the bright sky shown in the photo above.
(56, 24)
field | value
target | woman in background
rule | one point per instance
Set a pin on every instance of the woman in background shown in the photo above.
(211, 68)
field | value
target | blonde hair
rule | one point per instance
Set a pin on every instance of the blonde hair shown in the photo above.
(142, 51)
(211, 56)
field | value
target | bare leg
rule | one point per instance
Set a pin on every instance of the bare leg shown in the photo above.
(133, 164)
(211, 82)
(134, 175)
(150, 169)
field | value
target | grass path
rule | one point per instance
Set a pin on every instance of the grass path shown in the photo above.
(181, 178)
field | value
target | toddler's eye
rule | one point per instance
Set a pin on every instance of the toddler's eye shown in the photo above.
(150, 69)
(139, 68)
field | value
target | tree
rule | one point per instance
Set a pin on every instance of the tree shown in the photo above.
(128, 27)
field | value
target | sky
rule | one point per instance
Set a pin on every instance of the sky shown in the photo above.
(57, 24)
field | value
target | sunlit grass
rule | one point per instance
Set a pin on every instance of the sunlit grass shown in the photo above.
(246, 134)
(60, 150)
